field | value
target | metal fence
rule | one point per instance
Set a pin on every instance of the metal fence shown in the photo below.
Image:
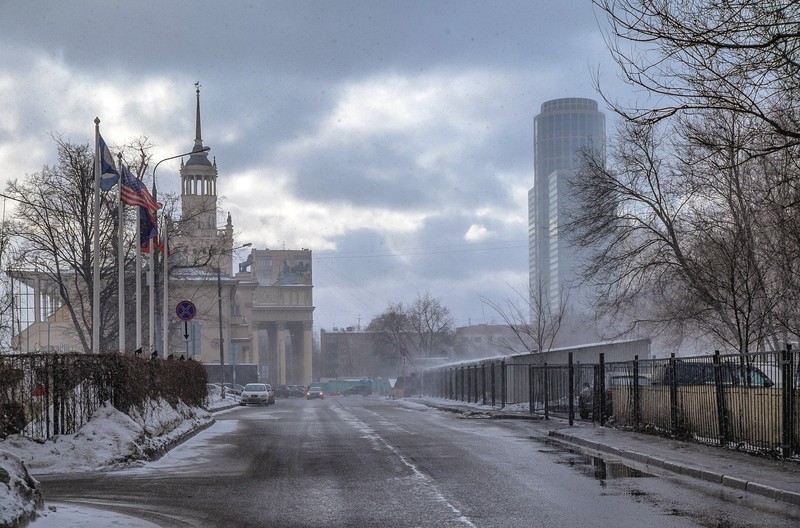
(42, 395)
(746, 402)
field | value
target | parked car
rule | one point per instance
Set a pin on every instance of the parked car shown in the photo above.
(283, 391)
(732, 374)
(613, 382)
(271, 391)
(212, 389)
(315, 391)
(298, 391)
(362, 389)
(257, 393)
(233, 388)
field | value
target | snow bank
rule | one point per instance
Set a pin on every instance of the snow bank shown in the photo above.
(109, 439)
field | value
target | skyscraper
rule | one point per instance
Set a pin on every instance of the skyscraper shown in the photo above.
(561, 129)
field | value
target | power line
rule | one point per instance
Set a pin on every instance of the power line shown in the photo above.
(438, 250)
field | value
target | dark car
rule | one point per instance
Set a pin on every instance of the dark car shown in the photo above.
(363, 390)
(297, 391)
(731, 374)
(315, 391)
(284, 391)
(614, 381)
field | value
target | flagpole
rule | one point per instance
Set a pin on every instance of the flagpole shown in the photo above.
(96, 248)
(121, 263)
(165, 308)
(138, 284)
(151, 298)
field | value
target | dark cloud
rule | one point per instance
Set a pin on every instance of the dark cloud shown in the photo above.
(393, 138)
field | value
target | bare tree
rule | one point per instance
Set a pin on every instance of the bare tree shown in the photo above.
(392, 329)
(419, 329)
(431, 324)
(736, 56)
(534, 318)
(54, 229)
(676, 229)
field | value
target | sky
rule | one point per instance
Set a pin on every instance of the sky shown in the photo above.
(392, 138)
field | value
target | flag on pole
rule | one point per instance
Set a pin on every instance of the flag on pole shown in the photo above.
(108, 171)
(133, 191)
(147, 229)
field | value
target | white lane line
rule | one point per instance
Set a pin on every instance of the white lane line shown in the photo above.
(432, 489)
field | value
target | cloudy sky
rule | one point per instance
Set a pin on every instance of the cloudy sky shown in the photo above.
(393, 138)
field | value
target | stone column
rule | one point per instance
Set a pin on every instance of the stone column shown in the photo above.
(308, 372)
(281, 335)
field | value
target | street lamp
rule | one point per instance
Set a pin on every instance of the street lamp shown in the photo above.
(165, 308)
(219, 302)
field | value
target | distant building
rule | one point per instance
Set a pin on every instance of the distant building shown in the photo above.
(484, 341)
(561, 130)
(261, 316)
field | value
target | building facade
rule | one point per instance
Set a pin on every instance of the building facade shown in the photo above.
(560, 131)
(259, 317)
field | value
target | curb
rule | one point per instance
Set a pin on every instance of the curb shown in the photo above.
(682, 469)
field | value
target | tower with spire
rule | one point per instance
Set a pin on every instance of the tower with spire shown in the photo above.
(199, 204)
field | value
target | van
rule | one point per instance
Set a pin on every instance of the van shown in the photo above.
(732, 374)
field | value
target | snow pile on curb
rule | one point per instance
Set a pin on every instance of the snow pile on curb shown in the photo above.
(109, 439)
(20, 497)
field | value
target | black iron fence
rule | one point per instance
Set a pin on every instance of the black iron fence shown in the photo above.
(42, 395)
(747, 402)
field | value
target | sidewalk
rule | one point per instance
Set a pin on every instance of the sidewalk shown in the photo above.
(775, 479)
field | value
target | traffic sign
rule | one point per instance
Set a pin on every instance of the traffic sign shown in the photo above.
(185, 310)
(185, 334)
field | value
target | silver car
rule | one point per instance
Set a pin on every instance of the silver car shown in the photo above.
(259, 393)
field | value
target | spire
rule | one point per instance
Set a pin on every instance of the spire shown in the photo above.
(198, 158)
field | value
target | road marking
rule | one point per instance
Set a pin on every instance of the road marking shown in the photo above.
(433, 490)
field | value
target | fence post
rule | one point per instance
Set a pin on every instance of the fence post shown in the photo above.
(469, 384)
(461, 394)
(493, 384)
(546, 392)
(787, 373)
(57, 424)
(483, 382)
(601, 382)
(475, 381)
(503, 384)
(530, 389)
(571, 377)
(637, 404)
(722, 417)
(673, 394)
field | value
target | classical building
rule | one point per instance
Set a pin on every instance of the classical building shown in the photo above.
(257, 321)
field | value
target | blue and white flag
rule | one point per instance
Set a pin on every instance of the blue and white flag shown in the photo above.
(108, 171)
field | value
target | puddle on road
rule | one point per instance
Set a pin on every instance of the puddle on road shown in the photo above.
(598, 468)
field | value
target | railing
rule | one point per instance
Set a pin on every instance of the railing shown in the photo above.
(747, 402)
(42, 395)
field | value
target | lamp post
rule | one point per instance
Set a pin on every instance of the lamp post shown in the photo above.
(219, 303)
(165, 307)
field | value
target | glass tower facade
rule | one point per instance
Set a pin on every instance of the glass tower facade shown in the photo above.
(560, 131)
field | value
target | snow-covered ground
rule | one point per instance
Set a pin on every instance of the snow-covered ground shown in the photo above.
(111, 439)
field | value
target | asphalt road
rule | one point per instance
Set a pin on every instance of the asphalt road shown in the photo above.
(368, 461)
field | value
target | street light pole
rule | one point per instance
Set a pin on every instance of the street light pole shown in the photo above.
(165, 307)
(219, 303)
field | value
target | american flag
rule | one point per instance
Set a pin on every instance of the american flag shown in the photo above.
(134, 192)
